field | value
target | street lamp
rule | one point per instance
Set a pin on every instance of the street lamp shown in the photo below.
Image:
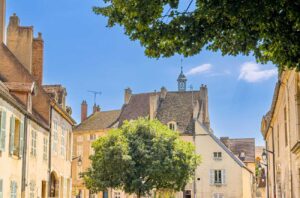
(265, 159)
(79, 161)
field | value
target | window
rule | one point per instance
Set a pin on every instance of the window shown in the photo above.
(2, 130)
(45, 148)
(13, 189)
(217, 155)
(1, 188)
(63, 143)
(32, 189)
(217, 177)
(79, 138)
(218, 195)
(16, 140)
(285, 127)
(172, 126)
(187, 194)
(55, 136)
(92, 137)
(117, 195)
(33, 143)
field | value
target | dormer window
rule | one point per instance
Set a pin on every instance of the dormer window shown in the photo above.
(242, 155)
(172, 126)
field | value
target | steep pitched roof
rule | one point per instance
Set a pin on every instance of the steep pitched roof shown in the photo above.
(178, 107)
(138, 106)
(99, 120)
(239, 145)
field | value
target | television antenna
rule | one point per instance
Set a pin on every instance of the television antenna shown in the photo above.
(95, 94)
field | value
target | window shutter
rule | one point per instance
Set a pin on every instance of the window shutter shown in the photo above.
(12, 135)
(223, 176)
(212, 176)
(1, 188)
(2, 131)
(21, 139)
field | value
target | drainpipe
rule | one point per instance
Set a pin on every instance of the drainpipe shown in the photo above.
(24, 158)
(273, 148)
(49, 156)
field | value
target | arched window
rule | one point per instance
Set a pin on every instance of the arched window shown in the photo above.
(172, 126)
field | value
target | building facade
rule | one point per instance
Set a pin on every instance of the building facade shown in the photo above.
(220, 174)
(38, 130)
(280, 129)
(90, 128)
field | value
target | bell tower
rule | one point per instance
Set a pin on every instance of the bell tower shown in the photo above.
(181, 80)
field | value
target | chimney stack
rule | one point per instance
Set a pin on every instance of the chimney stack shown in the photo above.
(38, 58)
(20, 41)
(96, 108)
(2, 20)
(204, 101)
(163, 93)
(127, 95)
(84, 107)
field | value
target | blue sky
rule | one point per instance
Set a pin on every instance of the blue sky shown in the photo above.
(82, 54)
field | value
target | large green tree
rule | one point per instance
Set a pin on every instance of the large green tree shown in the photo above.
(270, 29)
(141, 156)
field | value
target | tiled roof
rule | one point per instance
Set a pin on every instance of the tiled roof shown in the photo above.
(177, 107)
(237, 146)
(138, 106)
(99, 120)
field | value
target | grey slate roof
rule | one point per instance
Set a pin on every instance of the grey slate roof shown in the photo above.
(177, 106)
(99, 120)
(246, 145)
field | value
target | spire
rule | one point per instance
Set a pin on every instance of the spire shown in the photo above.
(181, 80)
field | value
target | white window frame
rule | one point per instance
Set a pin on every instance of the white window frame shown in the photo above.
(217, 156)
(55, 136)
(13, 189)
(172, 126)
(45, 148)
(63, 142)
(93, 137)
(218, 180)
(33, 143)
(2, 130)
(218, 195)
(117, 194)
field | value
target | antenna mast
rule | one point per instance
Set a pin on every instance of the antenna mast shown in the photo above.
(95, 95)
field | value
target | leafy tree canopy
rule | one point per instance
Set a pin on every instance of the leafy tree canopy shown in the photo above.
(141, 156)
(270, 29)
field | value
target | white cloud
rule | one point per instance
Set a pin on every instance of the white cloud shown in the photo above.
(252, 72)
(199, 69)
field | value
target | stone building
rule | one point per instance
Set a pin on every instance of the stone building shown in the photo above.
(221, 173)
(280, 129)
(90, 128)
(39, 135)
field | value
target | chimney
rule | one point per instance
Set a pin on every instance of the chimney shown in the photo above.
(2, 20)
(19, 41)
(153, 101)
(96, 108)
(38, 58)
(84, 107)
(127, 95)
(163, 92)
(204, 100)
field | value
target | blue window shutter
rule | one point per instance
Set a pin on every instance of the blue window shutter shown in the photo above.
(1, 188)
(2, 130)
(212, 176)
(12, 135)
(21, 139)
(223, 176)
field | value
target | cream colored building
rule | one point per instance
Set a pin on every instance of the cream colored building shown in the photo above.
(43, 169)
(90, 128)
(220, 175)
(281, 131)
